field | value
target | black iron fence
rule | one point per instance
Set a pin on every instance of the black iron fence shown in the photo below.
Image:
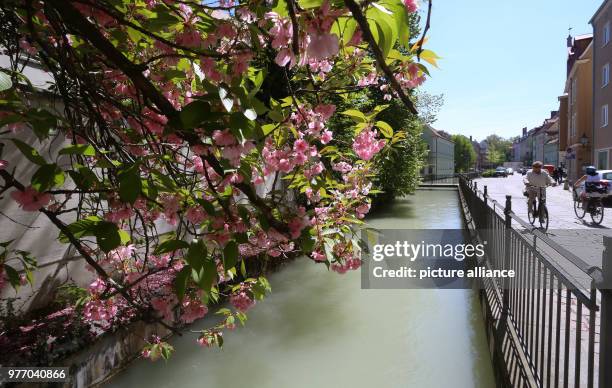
(446, 179)
(546, 327)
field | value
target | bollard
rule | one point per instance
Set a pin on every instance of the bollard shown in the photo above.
(605, 330)
(507, 252)
(476, 187)
(485, 194)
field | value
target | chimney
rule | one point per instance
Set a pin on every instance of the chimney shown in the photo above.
(570, 40)
(470, 137)
(524, 131)
(553, 113)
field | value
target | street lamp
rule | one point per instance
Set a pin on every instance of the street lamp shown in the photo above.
(584, 140)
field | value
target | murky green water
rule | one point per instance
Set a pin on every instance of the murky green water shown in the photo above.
(320, 329)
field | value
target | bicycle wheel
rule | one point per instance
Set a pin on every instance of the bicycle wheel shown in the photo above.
(578, 208)
(530, 215)
(597, 212)
(543, 217)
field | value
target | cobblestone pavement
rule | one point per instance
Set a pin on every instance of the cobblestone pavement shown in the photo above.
(581, 237)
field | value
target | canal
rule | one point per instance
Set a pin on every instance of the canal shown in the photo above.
(320, 329)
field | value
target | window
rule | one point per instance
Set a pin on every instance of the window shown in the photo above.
(573, 125)
(605, 75)
(604, 115)
(606, 34)
(573, 90)
(602, 160)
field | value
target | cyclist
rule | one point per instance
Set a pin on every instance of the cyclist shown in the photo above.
(591, 181)
(534, 180)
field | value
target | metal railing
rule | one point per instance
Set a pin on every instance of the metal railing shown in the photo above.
(547, 328)
(447, 179)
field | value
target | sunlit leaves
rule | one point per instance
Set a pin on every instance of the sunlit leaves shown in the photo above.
(29, 152)
(5, 82)
(47, 176)
(108, 235)
(78, 149)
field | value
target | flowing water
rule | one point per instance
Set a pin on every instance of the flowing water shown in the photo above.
(320, 329)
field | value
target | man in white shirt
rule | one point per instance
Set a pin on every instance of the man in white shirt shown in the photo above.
(535, 179)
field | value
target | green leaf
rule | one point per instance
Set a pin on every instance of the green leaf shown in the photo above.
(109, 236)
(130, 187)
(309, 3)
(206, 275)
(385, 129)
(13, 276)
(5, 82)
(170, 246)
(195, 113)
(430, 57)
(356, 115)
(180, 282)
(230, 255)
(196, 254)
(47, 177)
(267, 128)
(81, 228)
(29, 152)
(78, 149)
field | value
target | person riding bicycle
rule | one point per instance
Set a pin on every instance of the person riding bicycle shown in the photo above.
(592, 183)
(535, 179)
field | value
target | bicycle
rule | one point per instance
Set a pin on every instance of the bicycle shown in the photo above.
(591, 203)
(540, 212)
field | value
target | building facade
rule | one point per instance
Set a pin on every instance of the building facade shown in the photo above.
(579, 89)
(441, 155)
(602, 90)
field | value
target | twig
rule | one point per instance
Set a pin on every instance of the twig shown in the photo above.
(294, 25)
(421, 41)
(378, 55)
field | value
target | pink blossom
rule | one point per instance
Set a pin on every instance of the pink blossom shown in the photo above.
(241, 299)
(195, 215)
(411, 5)
(3, 164)
(362, 210)
(366, 145)
(326, 137)
(97, 310)
(192, 309)
(224, 138)
(322, 45)
(30, 199)
(318, 256)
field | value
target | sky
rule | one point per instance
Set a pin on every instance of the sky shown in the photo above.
(503, 61)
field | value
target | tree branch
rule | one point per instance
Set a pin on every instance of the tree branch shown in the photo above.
(378, 55)
(421, 41)
(95, 37)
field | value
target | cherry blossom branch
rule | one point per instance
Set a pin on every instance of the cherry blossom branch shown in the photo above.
(378, 55)
(134, 72)
(294, 25)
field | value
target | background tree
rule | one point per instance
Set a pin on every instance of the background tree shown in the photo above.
(465, 156)
(500, 149)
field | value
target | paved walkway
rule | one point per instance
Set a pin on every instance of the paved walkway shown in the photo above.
(581, 237)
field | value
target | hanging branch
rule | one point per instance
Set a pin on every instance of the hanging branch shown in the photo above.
(378, 55)
(421, 41)
(90, 32)
(294, 25)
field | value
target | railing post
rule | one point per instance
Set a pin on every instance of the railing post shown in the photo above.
(507, 252)
(486, 194)
(476, 188)
(605, 331)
